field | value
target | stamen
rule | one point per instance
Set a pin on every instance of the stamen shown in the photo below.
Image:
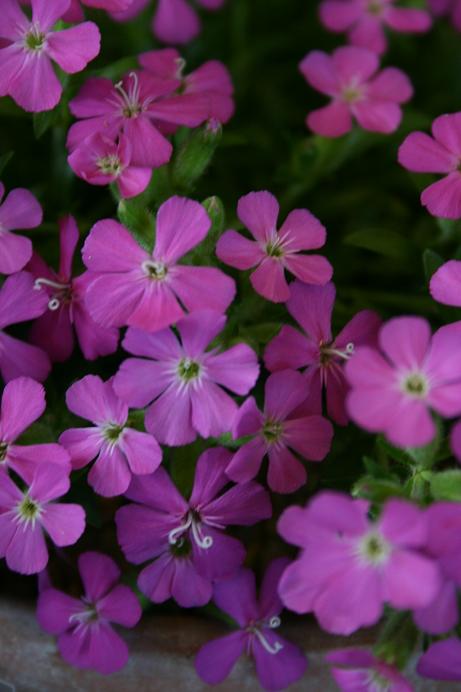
(52, 284)
(28, 511)
(274, 248)
(275, 622)
(192, 523)
(176, 533)
(181, 64)
(344, 354)
(155, 270)
(130, 100)
(271, 649)
(34, 39)
(188, 369)
(204, 542)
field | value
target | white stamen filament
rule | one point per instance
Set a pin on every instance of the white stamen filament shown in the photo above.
(345, 354)
(271, 649)
(130, 99)
(54, 302)
(204, 542)
(275, 622)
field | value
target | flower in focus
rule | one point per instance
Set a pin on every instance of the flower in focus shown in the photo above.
(316, 350)
(359, 564)
(444, 545)
(212, 80)
(365, 21)
(357, 90)
(393, 390)
(19, 209)
(184, 381)
(83, 626)
(440, 154)
(278, 662)
(357, 669)
(134, 107)
(442, 660)
(447, 7)
(120, 451)
(276, 432)
(26, 72)
(186, 539)
(66, 311)
(101, 161)
(272, 252)
(26, 515)
(22, 403)
(133, 287)
(19, 302)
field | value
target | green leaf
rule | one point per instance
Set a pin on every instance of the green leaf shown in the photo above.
(377, 490)
(395, 453)
(381, 241)
(43, 121)
(446, 485)
(138, 219)
(431, 262)
(194, 157)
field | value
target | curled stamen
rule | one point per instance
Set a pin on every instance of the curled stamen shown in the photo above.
(271, 649)
(54, 304)
(48, 282)
(274, 622)
(204, 542)
(344, 354)
(176, 533)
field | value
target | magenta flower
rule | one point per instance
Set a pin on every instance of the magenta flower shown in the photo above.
(120, 451)
(23, 402)
(357, 670)
(276, 432)
(212, 80)
(19, 302)
(444, 545)
(452, 8)
(183, 380)
(394, 389)
(445, 284)
(133, 107)
(27, 515)
(278, 662)
(442, 660)
(67, 312)
(272, 252)
(176, 21)
(349, 566)
(101, 161)
(440, 154)
(26, 71)
(75, 11)
(186, 539)
(83, 626)
(19, 209)
(366, 20)
(134, 287)
(357, 90)
(316, 350)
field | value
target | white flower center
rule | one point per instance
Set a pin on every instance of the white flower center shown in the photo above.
(373, 549)
(415, 384)
(155, 270)
(28, 511)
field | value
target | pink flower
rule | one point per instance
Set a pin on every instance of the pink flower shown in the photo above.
(357, 90)
(26, 72)
(366, 20)
(357, 669)
(19, 209)
(441, 154)
(394, 389)
(23, 402)
(183, 380)
(19, 302)
(131, 286)
(445, 284)
(276, 432)
(317, 350)
(186, 539)
(349, 566)
(134, 107)
(212, 80)
(135, 8)
(278, 662)
(120, 451)
(86, 638)
(175, 21)
(27, 515)
(448, 7)
(442, 660)
(54, 330)
(444, 545)
(273, 251)
(101, 161)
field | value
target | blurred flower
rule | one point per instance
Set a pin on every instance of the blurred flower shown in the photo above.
(322, 355)
(357, 90)
(276, 432)
(26, 72)
(184, 381)
(130, 286)
(75, 11)
(83, 626)
(357, 669)
(120, 451)
(366, 20)
(54, 330)
(272, 251)
(440, 153)
(448, 7)
(393, 390)
(442, 660)
(278, 662)
(187, 539)
(349, 566)
(19, 209)
(27, 515)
